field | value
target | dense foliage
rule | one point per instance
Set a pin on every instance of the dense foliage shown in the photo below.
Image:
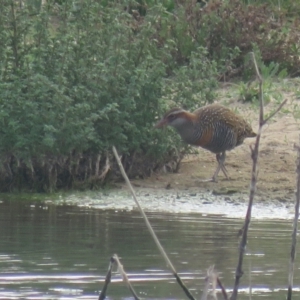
(78, 77)
(76, 80)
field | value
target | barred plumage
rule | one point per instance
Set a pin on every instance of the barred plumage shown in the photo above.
(213, 127)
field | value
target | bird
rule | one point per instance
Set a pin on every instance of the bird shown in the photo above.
(213, 127)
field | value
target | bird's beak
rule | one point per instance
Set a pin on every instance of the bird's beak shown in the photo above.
(161, 123)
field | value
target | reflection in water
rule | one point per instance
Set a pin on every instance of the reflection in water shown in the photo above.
(50, 252)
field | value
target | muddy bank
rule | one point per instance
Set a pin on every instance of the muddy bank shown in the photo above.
(183, 201)
(183, 192)
(277, 161)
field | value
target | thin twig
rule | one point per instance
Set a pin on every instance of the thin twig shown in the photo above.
(261, 95)
(107, 280)
(210, 284)
(275, 112)
(124, 276)
(254, 156)
(295, 229)
(224, 293)
(106, 168)
(160, 248)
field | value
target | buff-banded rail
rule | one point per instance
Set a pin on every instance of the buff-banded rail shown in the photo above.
(213, 127)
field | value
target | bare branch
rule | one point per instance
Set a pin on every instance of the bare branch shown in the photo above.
(295, 229)
(225, 296)
(97, 164)
(106, 168)
(158, 244)
(275, 112)
(210, 284)
(102, 295)
(124, 276)
(260, 81)
(254, 156)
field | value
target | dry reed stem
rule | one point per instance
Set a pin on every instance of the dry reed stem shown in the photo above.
(124, 276)
(106, 168)
(102, 295)
(223, 290)
(254, 156)
(158, 244)
(210, 285)
(295, 228)
(115, 260)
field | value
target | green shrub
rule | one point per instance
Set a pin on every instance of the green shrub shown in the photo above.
(78, 79)
(80, 76)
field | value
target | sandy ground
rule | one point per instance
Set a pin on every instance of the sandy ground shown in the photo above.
(277, 158)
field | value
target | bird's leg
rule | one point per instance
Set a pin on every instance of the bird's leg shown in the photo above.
(220, 159)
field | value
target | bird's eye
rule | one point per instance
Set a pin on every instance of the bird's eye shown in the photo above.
(171, 117)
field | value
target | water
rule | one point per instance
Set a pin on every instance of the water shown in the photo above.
(63, 252)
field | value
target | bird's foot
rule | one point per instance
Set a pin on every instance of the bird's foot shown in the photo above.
(213, 179)
(208, 180)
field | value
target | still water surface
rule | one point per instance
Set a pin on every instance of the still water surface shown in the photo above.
(62, 252)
